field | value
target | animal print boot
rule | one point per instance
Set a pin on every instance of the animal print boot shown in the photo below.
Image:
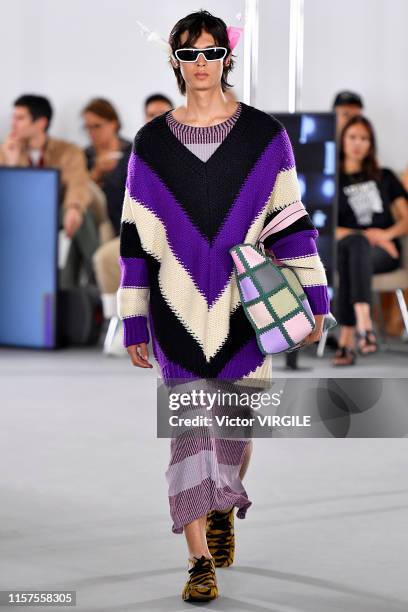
(202, 583)
(220, 536)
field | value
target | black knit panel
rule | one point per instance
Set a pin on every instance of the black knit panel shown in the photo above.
(207, 193)
(129, 241)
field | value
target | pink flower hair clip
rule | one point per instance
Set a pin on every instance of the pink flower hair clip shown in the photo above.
(234, 34)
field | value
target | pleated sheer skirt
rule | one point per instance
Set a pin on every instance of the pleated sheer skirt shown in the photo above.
(203, 473)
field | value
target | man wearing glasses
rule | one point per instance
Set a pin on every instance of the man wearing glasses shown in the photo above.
(201, 178)
(29, 145)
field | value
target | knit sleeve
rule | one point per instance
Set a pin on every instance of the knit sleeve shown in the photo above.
(290, 234)
(133, 292)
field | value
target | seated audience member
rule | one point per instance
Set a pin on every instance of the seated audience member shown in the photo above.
(372, 215)
(346, 104)
(107, 155)
(106, 258)
(29, 145)
(156, 105)
(404, 179)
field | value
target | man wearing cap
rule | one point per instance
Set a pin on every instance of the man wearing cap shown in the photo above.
(346, 104)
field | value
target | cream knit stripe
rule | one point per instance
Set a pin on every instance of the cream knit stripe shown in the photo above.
(308, 261)
(286, 190)
(307, 277)
(133, 301)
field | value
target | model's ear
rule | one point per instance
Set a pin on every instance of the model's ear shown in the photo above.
(174, 62)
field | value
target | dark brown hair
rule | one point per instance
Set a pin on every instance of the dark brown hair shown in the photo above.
(38, 107)
(370, 164)
(104, 109)
(194, 23)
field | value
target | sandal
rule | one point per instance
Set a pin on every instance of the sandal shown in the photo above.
(367, 340)
(344, 356)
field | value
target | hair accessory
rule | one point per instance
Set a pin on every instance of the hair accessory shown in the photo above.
(154, 37)
(234, 34)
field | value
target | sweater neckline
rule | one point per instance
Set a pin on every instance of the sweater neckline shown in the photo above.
(204, 129)
(222, 152)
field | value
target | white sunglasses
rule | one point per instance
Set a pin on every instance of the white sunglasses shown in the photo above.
(211, 54)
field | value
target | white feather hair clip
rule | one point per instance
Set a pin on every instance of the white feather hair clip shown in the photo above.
(154, 37)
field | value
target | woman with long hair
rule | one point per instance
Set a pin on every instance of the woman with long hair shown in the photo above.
(372, 215)
(203, 177)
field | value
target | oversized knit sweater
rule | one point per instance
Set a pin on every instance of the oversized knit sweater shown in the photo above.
(180, 217)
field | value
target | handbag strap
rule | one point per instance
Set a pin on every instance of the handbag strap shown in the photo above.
(283, 219)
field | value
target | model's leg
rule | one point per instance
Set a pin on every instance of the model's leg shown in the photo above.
(346, 337)
(365, 261)
(196, 537)
(107, 271)
(202, 582)
(345, 312)
(87, 239)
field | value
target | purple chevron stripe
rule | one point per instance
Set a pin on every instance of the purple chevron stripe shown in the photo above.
(318, 298)
(298, 244)
(135, 330)
(150, 191)
(188, 505)
(243, 362)
(134, 272)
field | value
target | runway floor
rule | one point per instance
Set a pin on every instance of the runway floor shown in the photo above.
(83, 499)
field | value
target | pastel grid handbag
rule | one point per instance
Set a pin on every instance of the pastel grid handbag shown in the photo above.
(272, 295)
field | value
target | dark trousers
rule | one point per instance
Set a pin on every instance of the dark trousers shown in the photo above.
(357, 261)
(83, 246)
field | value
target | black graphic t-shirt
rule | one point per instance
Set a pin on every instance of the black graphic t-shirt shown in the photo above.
(364, 202)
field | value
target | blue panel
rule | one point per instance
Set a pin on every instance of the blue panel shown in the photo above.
(28, 256)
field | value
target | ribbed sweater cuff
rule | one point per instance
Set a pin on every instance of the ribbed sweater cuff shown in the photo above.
(318, 298)
(135, 330)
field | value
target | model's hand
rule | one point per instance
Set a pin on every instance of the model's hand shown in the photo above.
(72, 221)
(316, 334)
(139, 359)
(11, 150)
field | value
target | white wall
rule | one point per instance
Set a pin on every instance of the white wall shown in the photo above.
(74, 50)
(362, 45)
